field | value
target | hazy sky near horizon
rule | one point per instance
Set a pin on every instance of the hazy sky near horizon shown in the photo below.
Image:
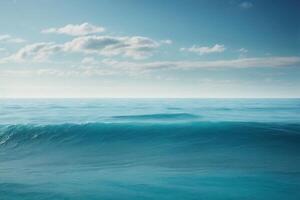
(157, 48)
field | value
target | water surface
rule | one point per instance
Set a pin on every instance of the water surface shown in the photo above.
(149, 149)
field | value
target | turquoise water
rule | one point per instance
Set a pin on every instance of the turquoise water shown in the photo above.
(150, 149)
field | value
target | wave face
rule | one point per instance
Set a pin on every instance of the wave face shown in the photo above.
(158, 117)
(169, 153)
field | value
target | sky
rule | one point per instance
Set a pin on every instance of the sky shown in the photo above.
(150, 49)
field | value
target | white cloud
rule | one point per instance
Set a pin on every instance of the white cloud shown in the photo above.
(135, 47)
(78, 71)
(184, 65)
(76, 29)
(243, 50)
(205, 49)
(35, 52)
(246, 5)
(166, 41)
(89, 61)
(3, 52)
(9, 39)
(113, 67)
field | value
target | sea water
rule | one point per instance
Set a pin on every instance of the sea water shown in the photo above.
(133, 149)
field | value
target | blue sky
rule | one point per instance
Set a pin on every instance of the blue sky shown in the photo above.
(136, 48)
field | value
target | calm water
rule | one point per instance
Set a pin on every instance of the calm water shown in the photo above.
(150, 149)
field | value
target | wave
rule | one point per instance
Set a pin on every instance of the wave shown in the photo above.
(162, 116)
(190, 130)
(149, 138)
(55, 161)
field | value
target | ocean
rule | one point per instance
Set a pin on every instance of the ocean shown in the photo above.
(136, 149)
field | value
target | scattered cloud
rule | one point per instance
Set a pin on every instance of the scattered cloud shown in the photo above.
(205, 49)
(3, 52)
(35, 52)
(58, 72)
(166, 41)
(243, 50)
(89, 61)
(10, 39)
(234, 63)
(76, 29)
(246, 5)
(136, 47)
(78, 71)
(91, 67)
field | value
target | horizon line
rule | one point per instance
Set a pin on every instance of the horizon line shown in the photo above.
(149, 98)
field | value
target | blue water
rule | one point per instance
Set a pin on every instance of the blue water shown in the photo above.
(208, 149)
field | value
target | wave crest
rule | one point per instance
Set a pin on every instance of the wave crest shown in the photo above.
(162, 116)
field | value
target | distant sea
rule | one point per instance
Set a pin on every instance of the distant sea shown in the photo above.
(142, 149)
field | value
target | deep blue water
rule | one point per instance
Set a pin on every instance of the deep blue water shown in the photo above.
(208, 149)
